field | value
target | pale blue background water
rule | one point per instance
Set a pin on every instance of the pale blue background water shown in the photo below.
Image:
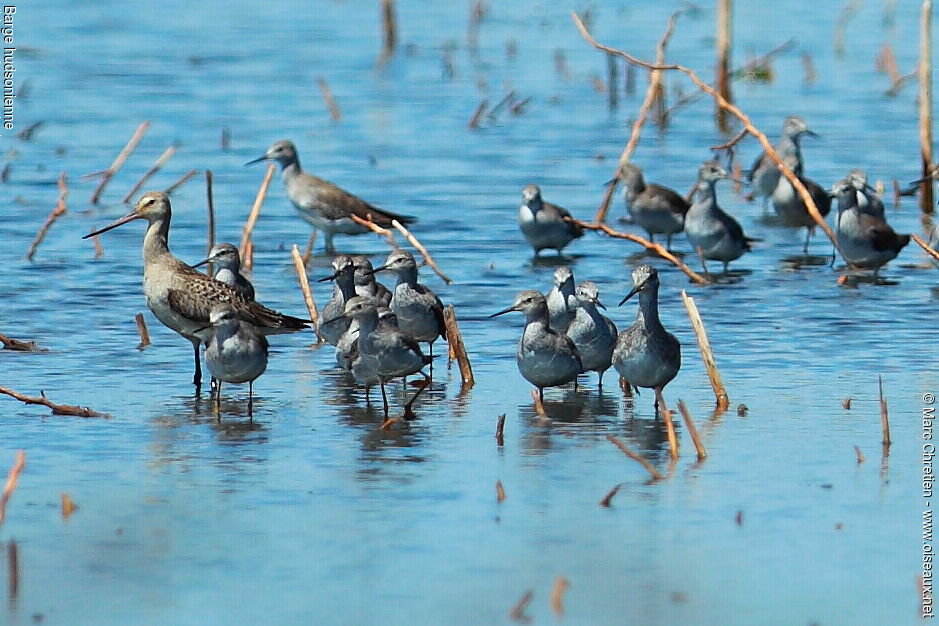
(311, 514)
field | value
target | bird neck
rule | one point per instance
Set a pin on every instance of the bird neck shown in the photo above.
(225, 329)
(706, 196)
(634, 188)
(648, 314)
(537, 320)
(368, 320)
(291, 168)
(346, 286)
(156, 241)
(407, 276)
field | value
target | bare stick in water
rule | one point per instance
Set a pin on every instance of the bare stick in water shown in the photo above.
(420, 248)
(57, 409)
(478, 114)
(925, 105)
(500, 429)
(884, 419)
(68, 506)
(500, 491)
(692, 430)
(12, 478)
(925, 246)
(518, 611)
(557, 595)
(142, 330)
(119, 161)
(389, 30)
(210, 269)
(309, 247)
(153, 170)
(305, 288)
(9, 343)
(669, 424)
(608, 498)
(334, 113)
(455, 339)
(60, 209)
(375, 228)
(860, 456)
(255, 212)
(182, 181)
(635, 456)
(724, 12)
(706, 353)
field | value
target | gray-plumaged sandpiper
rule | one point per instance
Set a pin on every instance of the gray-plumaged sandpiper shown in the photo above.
(343, 291)
(789, 205)
(227, 263)
(543, 223)
(562, 299)
(545, 357)
(181, 297)
(764, 175)
(865, 240)
(593, 333)
(321, 203)
(719, 236)
(657, 209)
(365, 283)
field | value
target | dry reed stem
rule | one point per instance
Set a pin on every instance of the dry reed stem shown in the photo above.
(722, 45)
(334, 113)
(179, 183)
(300, 267)
(210, 207)
(635, 456)
(655, 83)
(500, 430)
(809, 68)
(539, 407)
(884, 418)
(707, 355)
(557, 595)
(608, 498)
(9, 343)
(847, 12)
(119, 161)
(846, 404)
(648, 245)
(13, 570)
(389, 29)
(727, 145)
(68, 506)
(375, 228)
(142, 330)
(420, 248)
(12, 478)
(669, 425)
(925, 106)
(500, 491)
(309, 247)
(860, 456)
(611, 80)
(736, 112)
(57, 409)
(256, 210)
(99, 251)
(478, 114)
(692, 430)
(160, 162)
(455, 339)
(518, 611)
(925, 246)
(506, 99)
(60, 209)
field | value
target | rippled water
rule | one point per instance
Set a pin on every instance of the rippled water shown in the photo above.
(311, 514)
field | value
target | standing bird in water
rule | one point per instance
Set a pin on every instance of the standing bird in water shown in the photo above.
(657, 209)
(562, 299)
(646, 354)
(343, 291)
(866, 241)
(326, 206)
(543, 223)
(788, 203)
(181, 297)
(764, 175)
(719, 236)
(365, 283)
(418, 309)
(545, 357)
(235, 353)
(227, 263)
(593, 334)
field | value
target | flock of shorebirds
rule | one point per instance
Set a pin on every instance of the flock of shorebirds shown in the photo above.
(377, 331)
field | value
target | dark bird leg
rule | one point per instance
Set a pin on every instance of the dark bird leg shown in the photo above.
(408, 412)
(430, 348)
(808, 235)
(218, 402)
(329, 243)
(251, 400)
(384, 397)
(541, 395)
(197, 377)
(600, 381)
(726, 267)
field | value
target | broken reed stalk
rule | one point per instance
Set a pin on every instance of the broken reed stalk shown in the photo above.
(57, 409)
(608, 498)
(420, 248)
(455, 339)
(210, 203)
(648, 245)
(925, 246)
(925, 106)
(142, 330)
(884, 419)
(375, 228)
(733, 110)
(389, 29)
(12, 478)
(655, 83)
(500, 491)
(669, 424)
(68, 506)
(500, 430)
(305, 288)
(707, 355)
(847, 12)
(153, 170)
(557, 595)
(119, 161)
(692, 430)
(98, 249)
(809, 68)
(309, 247)
(860, 456)
(255, 212)
(478, 114)
(60, 209)
(13, 570)
(654, 473)
(9, 343)
(179, 183)
(518, 611)
(612, 90)
(724, 12)
(334, 113)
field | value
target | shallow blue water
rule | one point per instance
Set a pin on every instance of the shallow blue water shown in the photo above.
(310, 514)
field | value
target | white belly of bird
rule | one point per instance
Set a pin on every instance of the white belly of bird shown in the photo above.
(713, 240)
(156, 291)
(542, 234)
(235, 362)
(343, 226)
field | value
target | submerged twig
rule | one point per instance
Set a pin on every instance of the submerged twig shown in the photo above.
(57, 409)
(334, 113)
(179, 183)
(654, 473)
(608, 498)
(142, 331)
(300, 267)
(12, 478)
(9, 343)
(59, 210)
(669, 424)
(692, 430)
(884, 418)
(707, 355)
(455, 339)
(119, 161)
